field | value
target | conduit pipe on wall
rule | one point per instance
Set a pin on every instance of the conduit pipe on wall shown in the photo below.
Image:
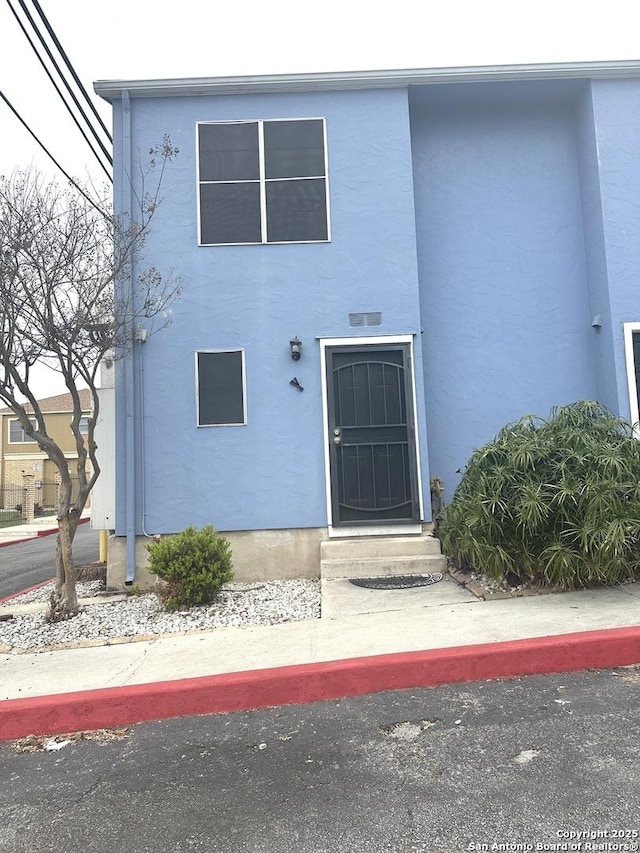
(129, 370)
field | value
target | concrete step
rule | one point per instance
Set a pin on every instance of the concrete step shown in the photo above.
(368, 567)
(379, 546)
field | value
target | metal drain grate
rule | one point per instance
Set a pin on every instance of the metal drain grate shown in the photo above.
(397, 581)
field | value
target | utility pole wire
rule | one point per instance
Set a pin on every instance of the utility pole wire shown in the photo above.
(44, 44)
(57, 88)
(62, 53)
(49, 154)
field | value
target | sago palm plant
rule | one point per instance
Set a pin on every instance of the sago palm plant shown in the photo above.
(556, 502)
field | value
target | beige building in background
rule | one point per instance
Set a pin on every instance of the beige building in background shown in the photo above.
(20, 455)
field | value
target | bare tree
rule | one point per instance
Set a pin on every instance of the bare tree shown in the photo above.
(73, 289)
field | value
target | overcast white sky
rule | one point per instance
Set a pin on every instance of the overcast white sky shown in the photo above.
(137, 39)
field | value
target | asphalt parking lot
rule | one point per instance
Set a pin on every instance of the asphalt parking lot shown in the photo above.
(540, 762)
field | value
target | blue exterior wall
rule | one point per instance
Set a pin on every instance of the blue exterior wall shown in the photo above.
(616, 111)
(493, 221)
(595, 251)
(501, 250)
(269, 473)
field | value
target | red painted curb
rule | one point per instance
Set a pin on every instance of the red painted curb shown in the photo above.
(37, 534)
(47, 532)
(51, 530)
(17, 541)
(25, 591)
(289, 685)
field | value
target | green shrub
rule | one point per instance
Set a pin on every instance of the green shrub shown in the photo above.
(556, 502)
(9, 517)
(193, 564)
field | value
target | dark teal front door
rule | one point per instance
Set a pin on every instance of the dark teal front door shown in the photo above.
(371, 435)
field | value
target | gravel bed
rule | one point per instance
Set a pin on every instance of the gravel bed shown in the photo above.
(496, 586)
(262, 603)
(84, 589)
(489, 587)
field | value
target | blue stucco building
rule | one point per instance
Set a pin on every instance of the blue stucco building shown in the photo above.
(451, 248)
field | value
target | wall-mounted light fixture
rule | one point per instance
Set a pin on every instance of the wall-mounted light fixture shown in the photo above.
(296, 347)
(140, 334)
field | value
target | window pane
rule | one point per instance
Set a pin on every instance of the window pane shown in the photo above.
(228, 152)
(296, 211)
(17, 434)
(230, 213)
(294, 149)
(15, 431)
(220, 399)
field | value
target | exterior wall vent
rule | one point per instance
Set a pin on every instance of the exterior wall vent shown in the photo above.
(370, 318)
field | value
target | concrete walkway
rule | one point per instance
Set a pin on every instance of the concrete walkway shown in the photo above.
(41, 526)
(465, 622)
(366, 641)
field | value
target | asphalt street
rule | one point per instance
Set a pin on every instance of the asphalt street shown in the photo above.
(544, 762)
(27, 563)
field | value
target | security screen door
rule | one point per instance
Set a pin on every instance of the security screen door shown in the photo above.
(371, 435)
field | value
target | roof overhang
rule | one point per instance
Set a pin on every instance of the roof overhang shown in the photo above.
(348, 80)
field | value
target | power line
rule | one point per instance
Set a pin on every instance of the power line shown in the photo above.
(60, 74)
(70, 67)
(57, 88)
(49, 154)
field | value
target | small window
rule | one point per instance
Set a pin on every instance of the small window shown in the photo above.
(84, 425)
(262, 182)
(17, 435)
(220, 387)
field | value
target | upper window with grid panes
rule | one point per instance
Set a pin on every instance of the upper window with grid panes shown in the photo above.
(262, 182)
(17, 435)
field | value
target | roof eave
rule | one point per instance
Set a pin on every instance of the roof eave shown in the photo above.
(345, 80)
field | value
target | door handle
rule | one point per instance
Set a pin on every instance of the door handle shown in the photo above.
(337, 439)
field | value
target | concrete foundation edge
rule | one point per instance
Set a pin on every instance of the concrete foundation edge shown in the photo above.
(242, 691)
(257, 555)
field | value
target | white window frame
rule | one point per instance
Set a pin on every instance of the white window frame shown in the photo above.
(244, 387)
(628, 331)
(23, 440)
(262, 181)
